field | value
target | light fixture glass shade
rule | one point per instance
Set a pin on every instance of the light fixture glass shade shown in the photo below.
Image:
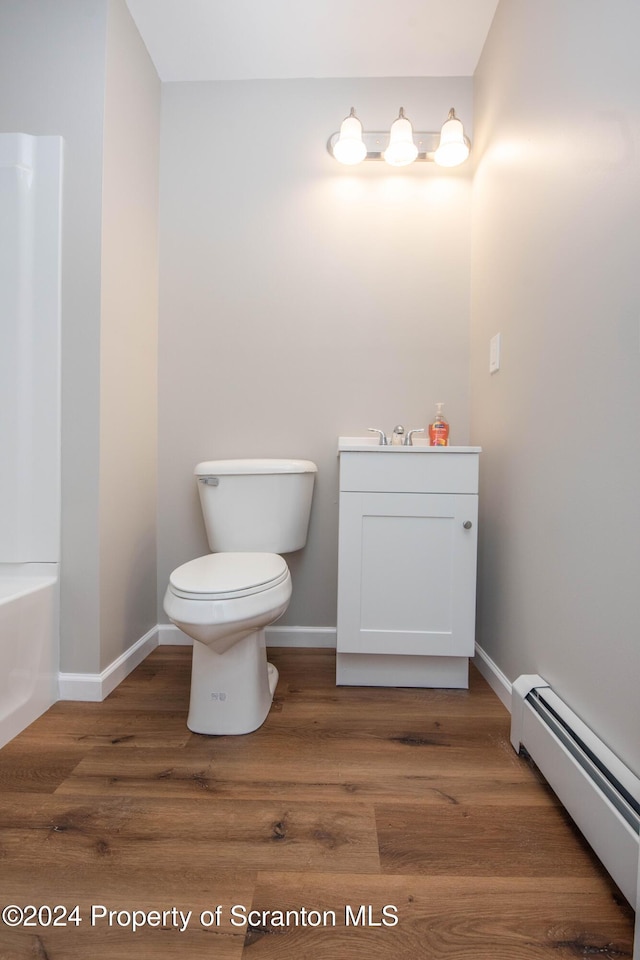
(454, 146)
(401, 149)
(349, 147)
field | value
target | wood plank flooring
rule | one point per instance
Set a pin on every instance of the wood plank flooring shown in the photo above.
(382, 824)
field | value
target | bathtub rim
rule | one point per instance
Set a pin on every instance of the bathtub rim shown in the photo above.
(14, 587)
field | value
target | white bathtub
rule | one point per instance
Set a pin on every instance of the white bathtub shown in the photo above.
(30, 271)
(29, 645)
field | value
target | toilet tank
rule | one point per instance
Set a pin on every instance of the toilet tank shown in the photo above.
(256, 505)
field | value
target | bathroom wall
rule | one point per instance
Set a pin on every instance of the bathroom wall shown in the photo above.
(301, 300)
(52, 82)
(128, 339)
(554, 270)
(54, 79)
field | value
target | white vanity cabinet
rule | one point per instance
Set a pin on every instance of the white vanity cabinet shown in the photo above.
(406, 564)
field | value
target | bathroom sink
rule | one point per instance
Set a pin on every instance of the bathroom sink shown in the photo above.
(371, 444)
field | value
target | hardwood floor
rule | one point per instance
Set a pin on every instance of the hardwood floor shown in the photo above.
(391, 824)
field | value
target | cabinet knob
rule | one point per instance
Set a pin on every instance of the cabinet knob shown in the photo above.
(467, 524)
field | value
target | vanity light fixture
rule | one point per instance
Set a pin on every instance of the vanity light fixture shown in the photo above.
(454, 146)
(401, 150)
(402, 145)
(349, 147)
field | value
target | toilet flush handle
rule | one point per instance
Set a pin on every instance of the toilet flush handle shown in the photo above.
(210, 481)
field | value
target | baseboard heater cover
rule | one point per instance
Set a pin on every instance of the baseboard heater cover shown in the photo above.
(600, 793)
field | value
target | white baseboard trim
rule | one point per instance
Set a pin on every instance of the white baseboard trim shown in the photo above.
(276, 636)
(172, 636)
(301, 637)
(494, 676)
(94, 687)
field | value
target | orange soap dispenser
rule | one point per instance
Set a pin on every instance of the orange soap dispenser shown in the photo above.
(439, 429)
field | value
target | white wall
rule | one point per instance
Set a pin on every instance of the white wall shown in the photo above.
(128, 339)
(301, 300)
(555, 270)
(58, 66)
(52, 82)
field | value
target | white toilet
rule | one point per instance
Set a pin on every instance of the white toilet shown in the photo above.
(253, 511)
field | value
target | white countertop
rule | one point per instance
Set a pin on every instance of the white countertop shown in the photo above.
(372, 445)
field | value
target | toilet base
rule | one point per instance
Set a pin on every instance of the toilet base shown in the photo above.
(231, 692)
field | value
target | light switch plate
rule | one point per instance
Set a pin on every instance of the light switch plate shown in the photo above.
(494, 353)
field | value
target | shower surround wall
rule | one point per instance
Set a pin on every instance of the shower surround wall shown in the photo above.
(30, 227)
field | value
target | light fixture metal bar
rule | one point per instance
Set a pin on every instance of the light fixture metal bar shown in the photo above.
(376, 143)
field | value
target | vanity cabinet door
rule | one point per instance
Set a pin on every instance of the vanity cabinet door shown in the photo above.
(407, 579)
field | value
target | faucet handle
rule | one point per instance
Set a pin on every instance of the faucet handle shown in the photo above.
(383, 437)
(408, 440)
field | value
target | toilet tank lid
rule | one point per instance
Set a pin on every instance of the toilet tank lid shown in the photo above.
(227, 467)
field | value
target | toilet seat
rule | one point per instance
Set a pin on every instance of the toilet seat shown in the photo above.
(227, 576)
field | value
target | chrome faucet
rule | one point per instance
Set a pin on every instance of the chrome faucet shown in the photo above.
(383, 441)
(400, 437)
(408, 440)
(398, 434)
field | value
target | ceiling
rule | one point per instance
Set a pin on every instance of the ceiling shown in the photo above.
(285, 39)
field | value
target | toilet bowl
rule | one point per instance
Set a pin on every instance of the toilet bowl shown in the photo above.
(224, 600)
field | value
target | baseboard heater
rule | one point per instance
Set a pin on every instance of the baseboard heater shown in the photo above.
(600, 793)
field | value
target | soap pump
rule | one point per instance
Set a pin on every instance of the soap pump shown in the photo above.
(439, 429)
